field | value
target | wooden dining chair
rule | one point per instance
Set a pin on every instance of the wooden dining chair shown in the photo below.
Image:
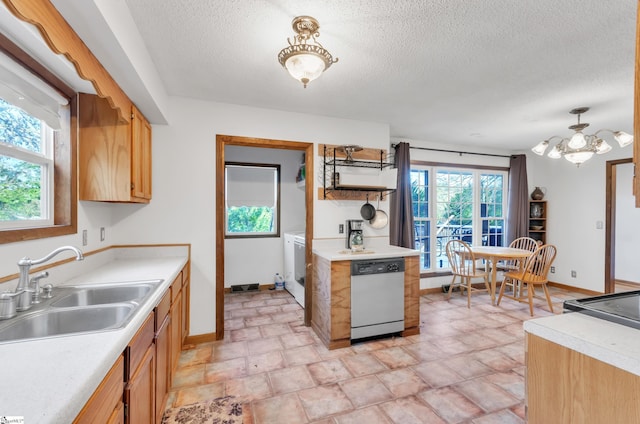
(534, 273)
(525, 243)
(463, 261)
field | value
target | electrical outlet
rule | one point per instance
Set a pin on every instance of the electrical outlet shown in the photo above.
(553, 269)
(101, 233)
(574, 274)
(84, 237)
(341, 229)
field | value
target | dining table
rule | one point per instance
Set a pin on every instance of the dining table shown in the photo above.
(493, 254)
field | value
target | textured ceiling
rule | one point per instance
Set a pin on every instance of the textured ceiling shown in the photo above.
(497, 73)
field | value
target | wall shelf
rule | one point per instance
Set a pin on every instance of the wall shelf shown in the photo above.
(365, 158)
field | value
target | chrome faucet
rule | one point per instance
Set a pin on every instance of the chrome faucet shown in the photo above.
(24, 299)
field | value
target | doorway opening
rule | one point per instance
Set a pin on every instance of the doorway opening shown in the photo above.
(226, 140)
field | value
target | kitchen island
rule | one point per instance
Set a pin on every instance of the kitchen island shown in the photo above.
(50, 380)
(581, 369)
(331, 305)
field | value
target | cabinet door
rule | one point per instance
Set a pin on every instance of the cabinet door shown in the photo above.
(118, 415)
(176, 330)
(185, 311)
(140, 155)
(163, 353)
(104, 150)
(140, 391)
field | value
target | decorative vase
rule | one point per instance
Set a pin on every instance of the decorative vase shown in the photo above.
(538, 193)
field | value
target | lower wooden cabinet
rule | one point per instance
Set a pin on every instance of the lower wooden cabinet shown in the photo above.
(163, 354)
(184, 311)
(106, 406)
(118, 415)
(140, 392)
(176, 324)
(136, 389)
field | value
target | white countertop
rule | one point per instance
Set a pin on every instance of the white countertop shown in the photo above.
(334, 250)
(50, 380)
(605, 341)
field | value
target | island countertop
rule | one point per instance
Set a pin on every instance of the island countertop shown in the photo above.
(611, 343)
(335, 250)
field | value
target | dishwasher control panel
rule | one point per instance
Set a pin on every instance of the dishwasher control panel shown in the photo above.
(377, 266)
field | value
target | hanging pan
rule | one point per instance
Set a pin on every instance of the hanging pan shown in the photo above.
(380, 219)
(367, 211)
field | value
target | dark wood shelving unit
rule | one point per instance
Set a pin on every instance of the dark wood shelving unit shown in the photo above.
(538, 220)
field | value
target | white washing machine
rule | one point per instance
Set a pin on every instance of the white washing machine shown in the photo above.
(294, 264)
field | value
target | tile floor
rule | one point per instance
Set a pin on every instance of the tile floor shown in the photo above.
(466, 366)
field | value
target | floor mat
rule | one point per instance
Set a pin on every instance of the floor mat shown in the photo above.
(215, 411)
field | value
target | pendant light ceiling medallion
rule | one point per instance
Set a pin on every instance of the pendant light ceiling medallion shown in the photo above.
(305, 58)
(580, 147)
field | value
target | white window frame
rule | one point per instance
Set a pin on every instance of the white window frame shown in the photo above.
(276, 205)
(476, 214)
(45, 160)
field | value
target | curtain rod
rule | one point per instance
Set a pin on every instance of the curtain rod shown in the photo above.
(460, 152)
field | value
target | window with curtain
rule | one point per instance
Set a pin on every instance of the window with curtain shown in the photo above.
(456, 203)
(32, 116)
(252, 200)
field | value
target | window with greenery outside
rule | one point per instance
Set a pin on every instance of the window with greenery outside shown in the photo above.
(252, 199)
(466, 205)
(20, 178)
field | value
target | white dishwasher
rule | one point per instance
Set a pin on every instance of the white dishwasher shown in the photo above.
(377, 297)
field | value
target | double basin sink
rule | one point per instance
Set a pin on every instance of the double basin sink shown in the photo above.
(79, 309)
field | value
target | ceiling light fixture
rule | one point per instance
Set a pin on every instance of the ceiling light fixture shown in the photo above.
(305, 58)
(580, 147)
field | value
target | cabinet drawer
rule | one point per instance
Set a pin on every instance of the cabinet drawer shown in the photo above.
(162, 310)
(139, 345)
(176, 287)
(106, 398)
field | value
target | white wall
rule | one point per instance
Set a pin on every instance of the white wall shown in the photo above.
(256, 260)
(627, 226)
(576, 202)
(183, 206)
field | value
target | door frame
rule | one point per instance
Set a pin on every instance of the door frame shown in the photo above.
(230, 140)
(610, 225)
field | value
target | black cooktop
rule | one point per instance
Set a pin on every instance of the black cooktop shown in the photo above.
(621, 308)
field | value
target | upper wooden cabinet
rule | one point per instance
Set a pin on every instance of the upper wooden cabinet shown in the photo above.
(114, 157)
(140, 155)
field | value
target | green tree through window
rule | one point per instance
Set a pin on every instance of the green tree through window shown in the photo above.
(20, 180)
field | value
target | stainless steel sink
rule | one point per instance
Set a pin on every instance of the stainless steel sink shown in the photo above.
(59, 322)
(106, 294)
(85, 308)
